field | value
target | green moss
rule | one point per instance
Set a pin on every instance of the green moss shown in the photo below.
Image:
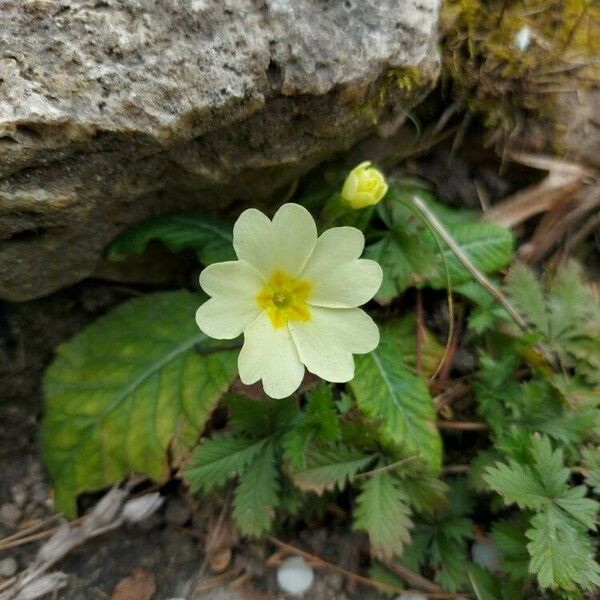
(492, 76)
(399, 79)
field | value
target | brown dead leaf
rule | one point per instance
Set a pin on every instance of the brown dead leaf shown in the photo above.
(140, 585)
(563, 181)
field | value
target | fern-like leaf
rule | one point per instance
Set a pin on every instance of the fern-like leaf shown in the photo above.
(382, 510)
(257, 494)
(330, 467)
(219, 458)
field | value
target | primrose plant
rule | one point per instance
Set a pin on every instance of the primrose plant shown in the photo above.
(136, 391)
(294, 296)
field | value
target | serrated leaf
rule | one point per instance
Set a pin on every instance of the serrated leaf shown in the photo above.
(526, 293)
(329, 467)
(212, 240)
(318, 423)
(379, 573)
(124, 391)
(511, 541)
(591, 463)
(397, 271)
(257, 494)
(219, 458)
(389, 394)
(450, 560)
(489, 587)
(382, 511)
(561, 554)
(489, 247)
(260, 418)
(517, 484)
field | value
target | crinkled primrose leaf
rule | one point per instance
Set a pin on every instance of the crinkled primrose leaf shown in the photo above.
(125, 391)
(210, 238)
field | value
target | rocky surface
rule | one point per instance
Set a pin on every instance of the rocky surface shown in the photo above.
(112, 111)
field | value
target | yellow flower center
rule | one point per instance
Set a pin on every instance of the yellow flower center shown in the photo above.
(284, 299)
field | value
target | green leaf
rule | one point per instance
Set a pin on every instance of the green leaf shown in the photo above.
(397, 271)
(527, 296)
(387, 393)
(257, 494)
(561, 551)
(318, 423)
(212, 240)
(260, 418)
(562, 555)
(382, 511)
(379, 573)
(403, 333)
(219, 458)
(517, 483)
(124, 391)
(591, 464)
(489, 246)
(489, 587)
(328, 467)
(510, 539)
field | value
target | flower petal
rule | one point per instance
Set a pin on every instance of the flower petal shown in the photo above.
(225, 319)
(282, 244)
(338, 277)
(252, 240)
(235, 278)
(234, 285)
(326, 343)
(269, 354)
(294, 238)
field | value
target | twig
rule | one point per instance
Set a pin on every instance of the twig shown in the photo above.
(320, 562)
(36, 537)
(214, 581)
(466, 261)
(110, 513)
(453, 344)
(387, 468)
(455, 469)
(430, 589)
(457, 391)
(462, 425)
(209, 545)
(419, 333)
(28, 530)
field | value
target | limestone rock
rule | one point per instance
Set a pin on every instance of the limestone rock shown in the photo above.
(113, 111)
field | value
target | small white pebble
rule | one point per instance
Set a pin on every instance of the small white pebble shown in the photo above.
(8, 567)
(295, 576)
(141, 508)
(411, 596)
(19, 494)
(9, 515)
(523, 38)
(485, 554)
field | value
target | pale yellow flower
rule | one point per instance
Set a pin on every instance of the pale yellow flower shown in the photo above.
(294, 297)
(364, 186)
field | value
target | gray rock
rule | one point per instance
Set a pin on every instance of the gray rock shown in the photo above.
(8, 567)
(19, 494)
(114, 111)
(9, 515)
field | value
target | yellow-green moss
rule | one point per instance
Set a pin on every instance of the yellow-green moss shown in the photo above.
(403, 79)
(491, 76)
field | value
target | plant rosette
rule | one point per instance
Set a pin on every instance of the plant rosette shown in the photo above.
(295, 297)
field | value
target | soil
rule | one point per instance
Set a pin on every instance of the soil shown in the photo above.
(169, 544)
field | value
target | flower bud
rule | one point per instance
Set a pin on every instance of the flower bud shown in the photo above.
(364, 186)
